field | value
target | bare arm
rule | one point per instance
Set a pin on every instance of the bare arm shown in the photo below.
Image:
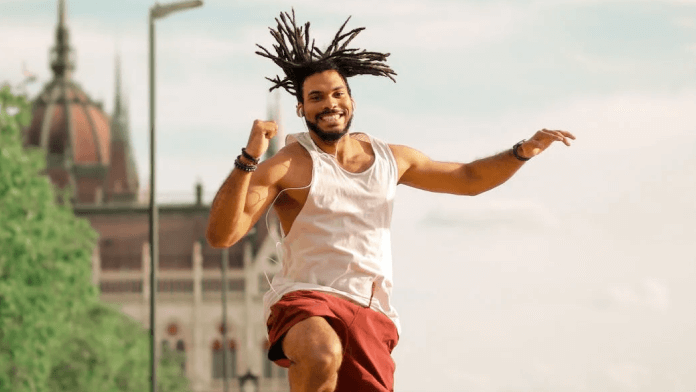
(244, 196)
(419, 171)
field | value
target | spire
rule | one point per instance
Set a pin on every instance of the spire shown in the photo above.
(62, 59)
(120, 126)
(117, 98)
(61, 13)
(123, 178)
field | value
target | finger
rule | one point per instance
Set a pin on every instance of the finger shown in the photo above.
(272, 129)
(559, 135)
(548, 133)
(567, 134)
(561, 132)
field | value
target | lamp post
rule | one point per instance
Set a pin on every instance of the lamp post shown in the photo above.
(225, 346)
(157, 11)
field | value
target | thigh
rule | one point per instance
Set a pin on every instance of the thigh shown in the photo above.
(310, 337)
(294, 308)
(367, 363)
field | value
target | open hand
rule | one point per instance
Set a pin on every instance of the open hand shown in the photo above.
(542, 140)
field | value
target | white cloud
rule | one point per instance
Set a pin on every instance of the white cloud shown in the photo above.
(630, 376)
(591, 2)
(623, 295)
(471, 381)
(691, 49)
(479, 213)
(655, 294)
(685, 22)
(450, 26)
(623, 121)
(598, 64)
(433, 25)
(609, 124)
(649, 293)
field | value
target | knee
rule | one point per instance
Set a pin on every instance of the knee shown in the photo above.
(313, 345)
(324, 357)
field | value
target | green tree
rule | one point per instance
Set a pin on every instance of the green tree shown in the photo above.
(55, 335)
(44, 258)
(110, 352)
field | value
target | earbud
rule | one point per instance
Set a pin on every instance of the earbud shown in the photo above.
(300, 111)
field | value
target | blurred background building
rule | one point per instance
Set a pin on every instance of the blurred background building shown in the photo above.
(91, 163)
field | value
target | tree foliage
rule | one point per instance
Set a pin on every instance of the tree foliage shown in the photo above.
(110, 352)
(44, 258)
(55, 335)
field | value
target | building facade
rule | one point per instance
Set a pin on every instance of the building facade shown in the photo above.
(90, 161)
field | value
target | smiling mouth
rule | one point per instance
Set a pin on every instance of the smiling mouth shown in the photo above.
(330, 118)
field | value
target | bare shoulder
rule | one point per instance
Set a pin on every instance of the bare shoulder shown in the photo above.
(288, 167)
(407, 157)
(292, 154)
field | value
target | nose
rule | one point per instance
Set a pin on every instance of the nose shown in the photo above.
(331, 103)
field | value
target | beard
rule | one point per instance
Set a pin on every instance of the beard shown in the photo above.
(329, 137)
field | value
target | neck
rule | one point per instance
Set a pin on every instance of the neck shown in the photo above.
(338, 149)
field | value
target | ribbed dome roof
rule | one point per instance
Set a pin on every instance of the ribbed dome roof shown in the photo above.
(67, 122)
(75, 132)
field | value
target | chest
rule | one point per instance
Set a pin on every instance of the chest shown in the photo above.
(331, 181)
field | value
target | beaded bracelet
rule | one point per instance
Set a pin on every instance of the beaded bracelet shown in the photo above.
(241, 166)
(248, 156)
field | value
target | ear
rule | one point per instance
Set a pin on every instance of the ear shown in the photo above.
(354, 105)
(299, 110)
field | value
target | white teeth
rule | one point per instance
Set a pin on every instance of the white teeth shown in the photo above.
(333, 117)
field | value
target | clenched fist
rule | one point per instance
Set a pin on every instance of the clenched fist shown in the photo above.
(261, 134)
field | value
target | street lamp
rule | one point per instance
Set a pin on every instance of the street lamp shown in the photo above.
(157, 11)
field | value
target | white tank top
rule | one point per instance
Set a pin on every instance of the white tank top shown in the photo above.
(340, 241)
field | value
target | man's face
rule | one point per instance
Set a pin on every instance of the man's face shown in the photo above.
(327, 106)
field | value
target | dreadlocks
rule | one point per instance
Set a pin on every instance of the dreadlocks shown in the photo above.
(298, 59)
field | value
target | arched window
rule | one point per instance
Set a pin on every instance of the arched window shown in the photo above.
(218, 359)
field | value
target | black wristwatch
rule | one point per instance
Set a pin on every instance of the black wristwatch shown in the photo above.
(516, 154)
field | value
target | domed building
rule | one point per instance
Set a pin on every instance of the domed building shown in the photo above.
(90, 157)
(72, 128)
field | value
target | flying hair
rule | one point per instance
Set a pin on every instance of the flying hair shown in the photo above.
(299, 59)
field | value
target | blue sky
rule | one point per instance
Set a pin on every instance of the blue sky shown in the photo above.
(576, 275)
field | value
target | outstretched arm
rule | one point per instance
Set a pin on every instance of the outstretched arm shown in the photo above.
(419, 171)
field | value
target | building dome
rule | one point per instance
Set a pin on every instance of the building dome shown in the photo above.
(76, 134)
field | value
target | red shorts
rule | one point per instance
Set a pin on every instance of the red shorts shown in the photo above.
(368, 338)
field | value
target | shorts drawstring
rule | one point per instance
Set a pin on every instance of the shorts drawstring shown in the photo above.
(372, 294)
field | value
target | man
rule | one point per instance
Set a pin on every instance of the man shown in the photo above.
(328, 311)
